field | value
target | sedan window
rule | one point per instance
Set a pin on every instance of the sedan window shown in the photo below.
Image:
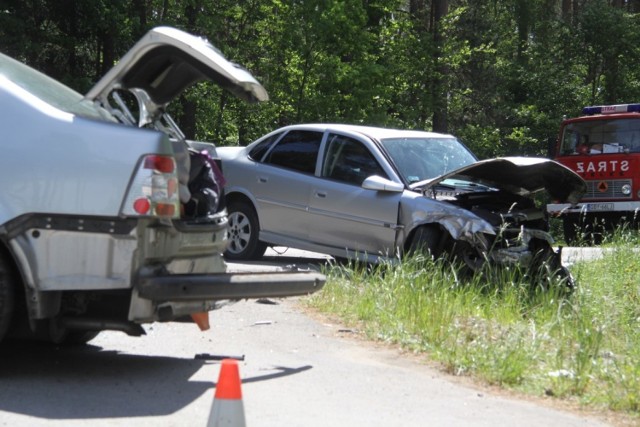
(297, 150)
(260, 148)
(348, 160)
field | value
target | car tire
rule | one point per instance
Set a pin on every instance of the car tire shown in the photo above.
(7, 295)
(427, 239)
(244, 230)
(436, 241)
(470, 258)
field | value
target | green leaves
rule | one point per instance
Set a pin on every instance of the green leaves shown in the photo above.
(499, 74)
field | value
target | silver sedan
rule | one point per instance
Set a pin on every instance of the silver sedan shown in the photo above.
(373, 193)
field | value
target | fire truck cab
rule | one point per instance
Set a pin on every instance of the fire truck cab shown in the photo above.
(603, 147)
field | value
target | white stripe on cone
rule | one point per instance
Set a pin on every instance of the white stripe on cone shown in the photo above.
(227, 413)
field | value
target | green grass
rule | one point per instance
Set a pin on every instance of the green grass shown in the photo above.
(500, 328)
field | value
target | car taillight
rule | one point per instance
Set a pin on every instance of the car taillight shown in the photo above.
(163, 164)
(154, 189)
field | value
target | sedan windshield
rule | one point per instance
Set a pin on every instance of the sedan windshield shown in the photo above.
(419, 159)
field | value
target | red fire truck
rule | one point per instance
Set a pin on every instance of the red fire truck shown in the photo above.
(603, 147)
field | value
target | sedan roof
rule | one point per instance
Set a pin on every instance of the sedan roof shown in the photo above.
(370, 131)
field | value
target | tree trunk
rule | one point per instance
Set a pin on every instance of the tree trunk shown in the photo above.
(189, 107)
(107, 43)
(440, 89)
(566, 10)
(140, 8)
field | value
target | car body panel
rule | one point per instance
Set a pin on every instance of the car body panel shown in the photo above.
(344, 215)
(282, 215)
(348, 216)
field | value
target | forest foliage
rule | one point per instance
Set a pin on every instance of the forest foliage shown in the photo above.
(499, 74)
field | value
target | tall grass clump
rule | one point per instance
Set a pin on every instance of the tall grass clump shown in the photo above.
(504, 329)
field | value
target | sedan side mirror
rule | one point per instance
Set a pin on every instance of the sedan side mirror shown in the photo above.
(378, 183)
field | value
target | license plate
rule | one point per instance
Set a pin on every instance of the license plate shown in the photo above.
(599, 207)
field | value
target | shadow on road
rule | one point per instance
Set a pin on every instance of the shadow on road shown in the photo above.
(88, 382)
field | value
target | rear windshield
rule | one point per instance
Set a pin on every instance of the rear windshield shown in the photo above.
(49, 90)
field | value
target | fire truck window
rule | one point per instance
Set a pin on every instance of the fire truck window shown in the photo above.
(570, 142)
(630, 140)
(601, 136)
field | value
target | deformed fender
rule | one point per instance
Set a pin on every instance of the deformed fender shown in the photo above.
(460, 223)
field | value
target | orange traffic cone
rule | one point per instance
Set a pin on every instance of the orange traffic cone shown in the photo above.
(227, 409)
(202, 320)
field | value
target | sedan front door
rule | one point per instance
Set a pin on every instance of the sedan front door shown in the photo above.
(344, 216)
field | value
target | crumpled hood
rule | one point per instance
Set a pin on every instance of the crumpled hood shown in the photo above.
(522, 175)
(166, 61)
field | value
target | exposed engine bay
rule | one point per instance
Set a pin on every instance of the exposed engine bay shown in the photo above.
(499, 208)
(506, 225)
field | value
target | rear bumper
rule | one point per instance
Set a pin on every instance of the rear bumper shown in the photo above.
(229, 286)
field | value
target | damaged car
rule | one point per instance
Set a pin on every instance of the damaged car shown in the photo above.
(109, 217)
(372, 194)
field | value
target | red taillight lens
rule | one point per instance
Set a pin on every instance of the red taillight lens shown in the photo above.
(162, 164)
(165, 210)
(142, 205)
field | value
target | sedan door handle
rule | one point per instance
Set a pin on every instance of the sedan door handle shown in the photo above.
(262, 179)
(321, 194)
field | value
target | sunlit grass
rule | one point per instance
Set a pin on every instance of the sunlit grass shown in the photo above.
(499, 327)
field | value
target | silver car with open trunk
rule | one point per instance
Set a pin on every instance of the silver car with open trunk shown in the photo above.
(109, 217)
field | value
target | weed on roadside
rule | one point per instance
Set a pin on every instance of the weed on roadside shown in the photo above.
(500, 327)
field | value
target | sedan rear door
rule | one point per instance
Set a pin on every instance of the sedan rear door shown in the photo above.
(282, 185)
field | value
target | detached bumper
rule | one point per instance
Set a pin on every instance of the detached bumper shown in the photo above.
(230, 286)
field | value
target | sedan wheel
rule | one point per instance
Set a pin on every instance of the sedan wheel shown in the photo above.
(243, 233)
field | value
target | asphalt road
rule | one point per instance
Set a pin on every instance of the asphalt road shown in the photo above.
(296, 371)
